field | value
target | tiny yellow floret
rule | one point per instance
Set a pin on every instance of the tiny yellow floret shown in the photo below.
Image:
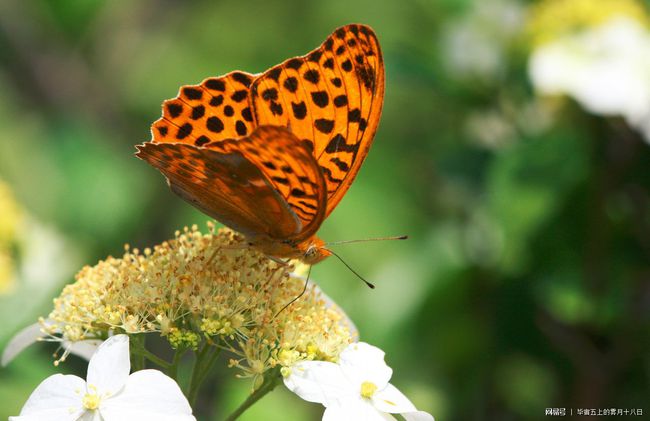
(368, 389)
(91, 401)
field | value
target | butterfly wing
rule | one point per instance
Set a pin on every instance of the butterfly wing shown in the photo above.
(214, 110)
(290, 168)
(229, 180)
(331, 99)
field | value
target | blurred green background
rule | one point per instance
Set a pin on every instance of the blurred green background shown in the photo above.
(525, 281)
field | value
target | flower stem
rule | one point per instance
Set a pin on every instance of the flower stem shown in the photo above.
(205, 358)
(137, 348)
(172, 369)
(270, 381)
(145, 353)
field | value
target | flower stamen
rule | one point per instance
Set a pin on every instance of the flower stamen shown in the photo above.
(368, 389)
(91, 401)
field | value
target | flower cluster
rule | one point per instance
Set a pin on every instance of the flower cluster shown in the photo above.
(8, 222)
(204, 287)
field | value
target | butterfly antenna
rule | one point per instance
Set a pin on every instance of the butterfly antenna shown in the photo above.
(397, 237)
(304, 289)
(371, 286)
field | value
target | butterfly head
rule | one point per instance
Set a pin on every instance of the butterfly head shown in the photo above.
(314, 250)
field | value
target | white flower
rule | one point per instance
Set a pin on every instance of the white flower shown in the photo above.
(109, 394)
(605, 68)
(356, 388)
(36, 333)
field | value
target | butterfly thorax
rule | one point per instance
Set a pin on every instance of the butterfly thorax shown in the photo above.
(310, 251)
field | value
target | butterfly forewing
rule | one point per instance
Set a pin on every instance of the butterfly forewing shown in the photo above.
(331, 99)
(217, 109)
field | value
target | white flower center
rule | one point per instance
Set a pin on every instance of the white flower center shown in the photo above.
(91, 401)
(368, 389)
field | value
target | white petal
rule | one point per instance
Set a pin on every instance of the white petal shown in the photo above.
(148, 392)
(362, 362)
(359, 410)
(58, 396)
(61, 414)
(390, 399)
(319, 381)
(109, 367)
(417, 416)
(91, 416)
(123, 414)
(84, 349)
(22, 340)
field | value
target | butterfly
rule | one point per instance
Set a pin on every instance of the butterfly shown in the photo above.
(271, 155)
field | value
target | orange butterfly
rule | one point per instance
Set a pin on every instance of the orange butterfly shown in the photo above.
(271, 155)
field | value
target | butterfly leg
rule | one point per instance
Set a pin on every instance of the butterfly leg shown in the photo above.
(227, 247)
(279, 261)
(304, 289)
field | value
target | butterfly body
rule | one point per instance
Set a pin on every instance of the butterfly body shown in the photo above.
(271, 155)
(310, 251)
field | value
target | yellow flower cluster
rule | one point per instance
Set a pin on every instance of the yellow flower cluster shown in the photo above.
(9, 219)
(205, 287)
(552, 19)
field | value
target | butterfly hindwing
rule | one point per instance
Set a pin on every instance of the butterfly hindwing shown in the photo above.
(331, 99)
(289, 167)
(225, 186)
(261, 184)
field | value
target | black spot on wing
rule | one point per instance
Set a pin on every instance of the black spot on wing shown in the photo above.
(198, 112)
(320, 98)
(324, 125)
(242, 78)
(246, 113)
(315, 56)
(174, 109)
(338, 144)
(294, 63)
(214, 124)
(241, 128)
(341, 101)
(270, 94)
(343, 166)
(184, 131)
(216, 100)
(201, 140)
(312, 76)
(275, 73)
(192, 93)
(299, 110)
(215, 84)
(239, 96)
(291, 84)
